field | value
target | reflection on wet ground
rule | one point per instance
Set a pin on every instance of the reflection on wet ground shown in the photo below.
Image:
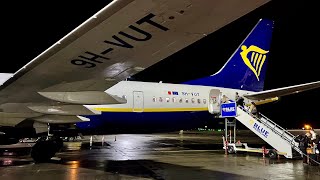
(158, 156)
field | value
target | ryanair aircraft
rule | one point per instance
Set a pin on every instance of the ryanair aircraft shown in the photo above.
(81, 78)
(166, 106)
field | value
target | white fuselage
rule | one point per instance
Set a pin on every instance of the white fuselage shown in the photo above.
(161, 97)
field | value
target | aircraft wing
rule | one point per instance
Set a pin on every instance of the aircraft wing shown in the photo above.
(282, 91)
(123, 38)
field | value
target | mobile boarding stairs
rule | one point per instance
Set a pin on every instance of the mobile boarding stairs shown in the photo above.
(280, 139)
(276, 136)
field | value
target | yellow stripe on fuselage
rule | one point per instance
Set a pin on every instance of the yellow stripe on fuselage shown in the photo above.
(150, 109)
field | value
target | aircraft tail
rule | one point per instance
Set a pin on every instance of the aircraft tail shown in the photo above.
(246, 68)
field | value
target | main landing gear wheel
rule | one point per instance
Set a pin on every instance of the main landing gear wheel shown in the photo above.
(45, 149)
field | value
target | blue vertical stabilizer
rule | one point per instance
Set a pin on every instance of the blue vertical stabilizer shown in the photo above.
(246, 68)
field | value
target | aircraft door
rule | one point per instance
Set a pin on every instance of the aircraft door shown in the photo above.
(137, 101)
(214, 101)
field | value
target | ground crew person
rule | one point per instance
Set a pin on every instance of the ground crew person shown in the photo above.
(317, 144)
(314, 140)
(313, 135)
(303, 144)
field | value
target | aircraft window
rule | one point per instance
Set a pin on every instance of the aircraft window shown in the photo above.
(154, 99)
(192, 100)
(174, 100)
(187, 101)
(168, 99)
(199, 101)
(204, 101)
(180, 100)
(160, 99)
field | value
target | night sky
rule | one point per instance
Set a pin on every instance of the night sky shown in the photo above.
(30, 27)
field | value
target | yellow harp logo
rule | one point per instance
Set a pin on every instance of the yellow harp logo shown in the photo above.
(257, 59)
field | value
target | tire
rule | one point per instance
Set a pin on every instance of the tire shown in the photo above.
(273, 154)
(231, 150)
(44, 149)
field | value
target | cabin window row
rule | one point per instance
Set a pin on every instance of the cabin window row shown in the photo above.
(180, 100)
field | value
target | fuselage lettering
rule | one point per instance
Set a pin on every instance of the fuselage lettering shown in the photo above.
(190, 94)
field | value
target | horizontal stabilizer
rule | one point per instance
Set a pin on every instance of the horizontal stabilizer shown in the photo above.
(282, 91)
(64, 110)
(57, 119)
(84, 97)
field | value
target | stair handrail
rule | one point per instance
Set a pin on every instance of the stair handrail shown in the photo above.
(269, 120)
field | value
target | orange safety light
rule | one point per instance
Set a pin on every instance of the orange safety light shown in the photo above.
(307, 127)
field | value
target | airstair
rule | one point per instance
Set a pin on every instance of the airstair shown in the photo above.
(276, 136)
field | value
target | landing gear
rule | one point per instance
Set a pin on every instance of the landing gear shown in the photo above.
(45, 148)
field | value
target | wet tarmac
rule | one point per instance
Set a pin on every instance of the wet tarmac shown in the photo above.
(155, 156)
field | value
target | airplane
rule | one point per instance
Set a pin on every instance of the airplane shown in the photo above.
(88, 85)
(163, 106)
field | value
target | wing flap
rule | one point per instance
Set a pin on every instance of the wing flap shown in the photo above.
(84, 97)
(19, 115)
(12, 121)
(59, 119)
(86, 85)
(64, 110)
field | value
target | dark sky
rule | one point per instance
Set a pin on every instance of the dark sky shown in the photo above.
(29, 27)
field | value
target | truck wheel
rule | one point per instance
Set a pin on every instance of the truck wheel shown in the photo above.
(273, 154)
(231, 150)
